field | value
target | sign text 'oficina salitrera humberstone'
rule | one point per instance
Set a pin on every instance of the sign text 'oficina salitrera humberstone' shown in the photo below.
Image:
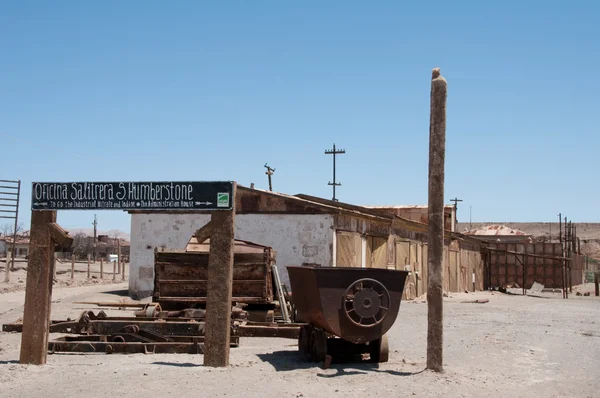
(192, 195)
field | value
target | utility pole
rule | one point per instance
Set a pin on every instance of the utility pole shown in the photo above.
(560, 227)
(455, 200)
(470, 219)
(334, 152)
(95, 224)
(435, 225)
(269, 172)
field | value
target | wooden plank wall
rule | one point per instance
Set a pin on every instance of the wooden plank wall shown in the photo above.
(376, 252)
(348, 249)
(458, 266)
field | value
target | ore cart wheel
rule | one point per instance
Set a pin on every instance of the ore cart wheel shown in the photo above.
(318, 349)
(304, 343)
(379, 350)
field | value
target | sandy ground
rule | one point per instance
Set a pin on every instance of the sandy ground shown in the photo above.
(512, 346)
(63, 275)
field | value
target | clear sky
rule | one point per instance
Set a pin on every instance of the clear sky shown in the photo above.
(198, 90)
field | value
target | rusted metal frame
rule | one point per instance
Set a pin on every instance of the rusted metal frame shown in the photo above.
(131, 337)
(246, 300)
(288, 330)
(13, 181)
(126, 348)
(522, 268)
(529, 254)
(112, 304)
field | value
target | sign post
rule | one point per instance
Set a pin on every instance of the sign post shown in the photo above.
(38, 294)
(47, 197)
(188, 195)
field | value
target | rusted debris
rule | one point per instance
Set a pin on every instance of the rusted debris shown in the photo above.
(125, 347)
(479, 301)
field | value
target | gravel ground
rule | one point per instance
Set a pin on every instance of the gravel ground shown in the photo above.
(512, 346)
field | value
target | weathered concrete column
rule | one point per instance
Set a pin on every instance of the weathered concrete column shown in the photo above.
(38, 292)
(437, 150)
(218, 296)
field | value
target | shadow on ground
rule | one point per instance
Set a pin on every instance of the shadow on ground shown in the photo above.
(121, 293)
(179, 365)
(290, 360)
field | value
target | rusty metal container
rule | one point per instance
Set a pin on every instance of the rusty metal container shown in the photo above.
(180, 276)
(358, 305)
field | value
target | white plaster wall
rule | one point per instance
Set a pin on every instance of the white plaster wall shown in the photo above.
(296, 238)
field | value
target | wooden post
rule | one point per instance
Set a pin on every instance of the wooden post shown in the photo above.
(38, 292)
(54, 261)
(7, 270)
(72, 266)
(123, 271)
(435, 227)
(88, 273)
(597, 282)
(118, 255)
(218, 297)
(101, 269)
(114, 270)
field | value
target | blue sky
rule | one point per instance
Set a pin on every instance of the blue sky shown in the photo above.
(150, 91)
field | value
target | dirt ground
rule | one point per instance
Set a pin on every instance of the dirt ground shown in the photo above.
(63, 274)
(512, 346)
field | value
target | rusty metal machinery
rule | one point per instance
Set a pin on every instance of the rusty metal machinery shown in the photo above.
(348, 311)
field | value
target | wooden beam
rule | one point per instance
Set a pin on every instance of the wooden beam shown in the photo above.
(435, 236)
(60, 236)
(204, 232)
(219, 287)
(38, 292)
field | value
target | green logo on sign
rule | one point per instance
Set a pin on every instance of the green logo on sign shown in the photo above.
(223, 199)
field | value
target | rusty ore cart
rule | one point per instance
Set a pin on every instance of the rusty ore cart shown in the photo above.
(180, 278)
(347, 310)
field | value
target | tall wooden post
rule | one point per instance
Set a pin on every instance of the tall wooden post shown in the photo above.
(101, 269)
(72, 266)
(220, 278)
(38, 293)
(437, 149)
(597, 283)
(88, 273)
(118, 255)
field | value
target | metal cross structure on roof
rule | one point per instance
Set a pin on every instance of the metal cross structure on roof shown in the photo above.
(334, 152)
(10, 191)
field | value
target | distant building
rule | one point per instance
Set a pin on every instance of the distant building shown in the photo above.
(21, 247)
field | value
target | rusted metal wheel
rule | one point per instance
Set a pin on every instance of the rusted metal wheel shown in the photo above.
(366, 302)
(379, 350)
(304, 342)
(318, 349)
